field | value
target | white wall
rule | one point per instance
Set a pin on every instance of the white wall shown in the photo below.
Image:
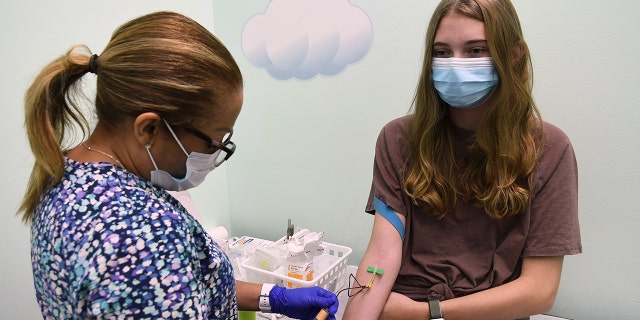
(586, 82)
(305, 148)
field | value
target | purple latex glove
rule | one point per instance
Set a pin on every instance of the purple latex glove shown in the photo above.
(303, 303)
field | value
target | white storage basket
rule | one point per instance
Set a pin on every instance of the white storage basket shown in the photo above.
(329, 267)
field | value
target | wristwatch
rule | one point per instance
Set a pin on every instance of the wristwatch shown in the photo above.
(434, 310)
(263, 303)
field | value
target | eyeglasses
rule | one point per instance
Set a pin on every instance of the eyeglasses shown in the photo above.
(227, 147)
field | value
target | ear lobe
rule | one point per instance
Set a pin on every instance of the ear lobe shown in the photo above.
(518, 52)
(146, 127)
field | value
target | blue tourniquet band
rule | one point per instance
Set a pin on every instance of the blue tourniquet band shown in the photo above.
(386, 212)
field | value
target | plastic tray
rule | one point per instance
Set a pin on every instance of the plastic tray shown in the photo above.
(329, 267)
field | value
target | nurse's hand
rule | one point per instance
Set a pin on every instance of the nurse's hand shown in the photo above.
(303, 303)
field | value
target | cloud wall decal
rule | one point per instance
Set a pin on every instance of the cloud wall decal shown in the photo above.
(303, 38)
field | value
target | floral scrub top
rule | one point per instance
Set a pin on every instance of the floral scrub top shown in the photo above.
(107, 244)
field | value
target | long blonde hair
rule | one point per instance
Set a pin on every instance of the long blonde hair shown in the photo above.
(496, 174)
(162, 62)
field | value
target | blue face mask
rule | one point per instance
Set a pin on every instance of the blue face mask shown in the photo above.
(464, 82)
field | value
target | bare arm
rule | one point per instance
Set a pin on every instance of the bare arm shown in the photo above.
(248, 295)
(533, 292)
(384, 251)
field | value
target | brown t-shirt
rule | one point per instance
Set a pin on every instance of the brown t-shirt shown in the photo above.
(467, 251)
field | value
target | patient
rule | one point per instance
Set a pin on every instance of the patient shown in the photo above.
(475, 198)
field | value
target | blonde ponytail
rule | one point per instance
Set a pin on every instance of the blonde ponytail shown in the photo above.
(51, 111)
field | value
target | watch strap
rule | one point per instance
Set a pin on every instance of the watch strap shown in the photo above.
(263, 302)
(434, 310)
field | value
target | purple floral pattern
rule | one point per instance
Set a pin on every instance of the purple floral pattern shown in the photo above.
(107, 244)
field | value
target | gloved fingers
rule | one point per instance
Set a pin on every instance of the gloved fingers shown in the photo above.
(331, 304)
(322, 298)
(329, 300)
(324, 293)
(302, 302)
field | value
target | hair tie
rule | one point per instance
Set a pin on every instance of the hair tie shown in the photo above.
(93, 64)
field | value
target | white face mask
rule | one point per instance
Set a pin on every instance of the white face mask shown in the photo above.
(198, 166)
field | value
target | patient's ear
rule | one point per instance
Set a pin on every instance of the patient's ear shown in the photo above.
(518, 52)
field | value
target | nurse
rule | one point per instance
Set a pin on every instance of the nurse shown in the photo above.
(108, 240)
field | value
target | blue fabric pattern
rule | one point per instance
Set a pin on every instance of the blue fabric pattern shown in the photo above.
(106, 243)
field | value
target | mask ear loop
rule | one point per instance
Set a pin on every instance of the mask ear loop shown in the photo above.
(147, 147)
(175, 137)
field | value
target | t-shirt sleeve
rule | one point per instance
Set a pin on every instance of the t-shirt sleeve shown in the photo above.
(554, 226)
(388, 167)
